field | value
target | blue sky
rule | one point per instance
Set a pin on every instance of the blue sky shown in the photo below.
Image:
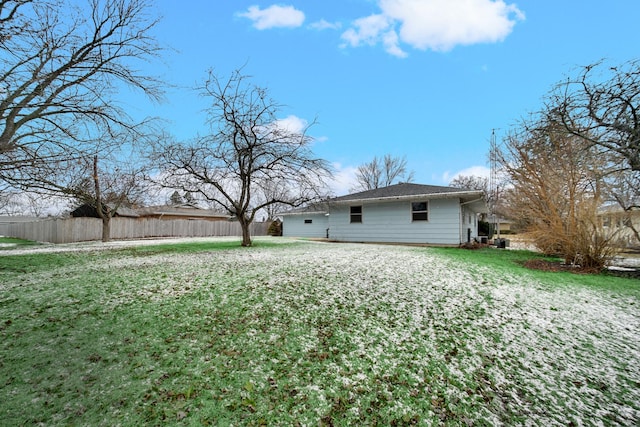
(425, 79)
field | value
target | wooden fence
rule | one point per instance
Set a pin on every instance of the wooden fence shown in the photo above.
(71, 230)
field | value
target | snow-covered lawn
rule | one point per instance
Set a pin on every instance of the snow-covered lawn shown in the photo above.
(315, 334)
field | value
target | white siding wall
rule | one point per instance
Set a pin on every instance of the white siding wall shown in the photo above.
(294, 225)
(391, 222)
(469, 221)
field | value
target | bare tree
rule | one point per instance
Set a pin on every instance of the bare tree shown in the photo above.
(601, 105)
(557, 189)
(247, 150)
(60, 67)
(176, 199)
(382, 172)
(13, 202)
(109, 190)
(105, 178)
(10, 19)
(9, 204)
(274, 190)
(472, 182)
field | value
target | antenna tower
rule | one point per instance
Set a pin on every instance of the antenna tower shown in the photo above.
(493, 182)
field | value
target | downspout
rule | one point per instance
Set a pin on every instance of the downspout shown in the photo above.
(461, 224)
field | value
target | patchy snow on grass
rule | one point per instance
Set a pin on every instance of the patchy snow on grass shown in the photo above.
(504, 347)
(313, 332)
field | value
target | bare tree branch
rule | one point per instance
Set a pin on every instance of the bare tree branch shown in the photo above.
(61, 69)
(247, 151)
(601, 105)
(382, 172)
(557, 191)
(59, 78)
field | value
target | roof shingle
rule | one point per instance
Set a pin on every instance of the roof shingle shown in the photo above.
(400, 190)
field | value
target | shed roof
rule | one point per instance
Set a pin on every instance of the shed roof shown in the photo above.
(87, 210)
(181, 210)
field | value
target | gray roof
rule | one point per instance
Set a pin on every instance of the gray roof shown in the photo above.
(315, 208)
(20, 218)
(406, 190)
(402, 191)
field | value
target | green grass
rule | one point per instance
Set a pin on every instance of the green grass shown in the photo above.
(190, 247)
(309, 334)
(23, 264)
(30, 263)
(511, 262)
(7, 243)
(502, 259)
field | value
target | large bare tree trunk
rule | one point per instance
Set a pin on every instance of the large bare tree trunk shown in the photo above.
(246, 232)
(106, 228)
(102, 210)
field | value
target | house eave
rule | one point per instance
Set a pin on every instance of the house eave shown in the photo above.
(426, 196)
(303, 213)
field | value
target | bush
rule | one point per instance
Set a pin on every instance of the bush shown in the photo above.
(582, 243)
(275, 228)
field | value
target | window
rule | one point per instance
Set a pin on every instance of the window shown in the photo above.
(308, 221)
(356, 214)
(419, 211)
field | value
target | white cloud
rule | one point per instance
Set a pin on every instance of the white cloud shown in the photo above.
(325, 25)
(367, 31)
(437, 25)
(274, 17)
(344, 178)
(372, 30)
(392, 45)
(295, 125)
(292, 124)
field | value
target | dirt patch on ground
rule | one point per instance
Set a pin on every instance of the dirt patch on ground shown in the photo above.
(545, 265)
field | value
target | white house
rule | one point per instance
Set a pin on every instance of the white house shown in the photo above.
(401, 213)
(620, 224)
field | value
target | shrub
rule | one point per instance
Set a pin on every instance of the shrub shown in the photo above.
(275, 228)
